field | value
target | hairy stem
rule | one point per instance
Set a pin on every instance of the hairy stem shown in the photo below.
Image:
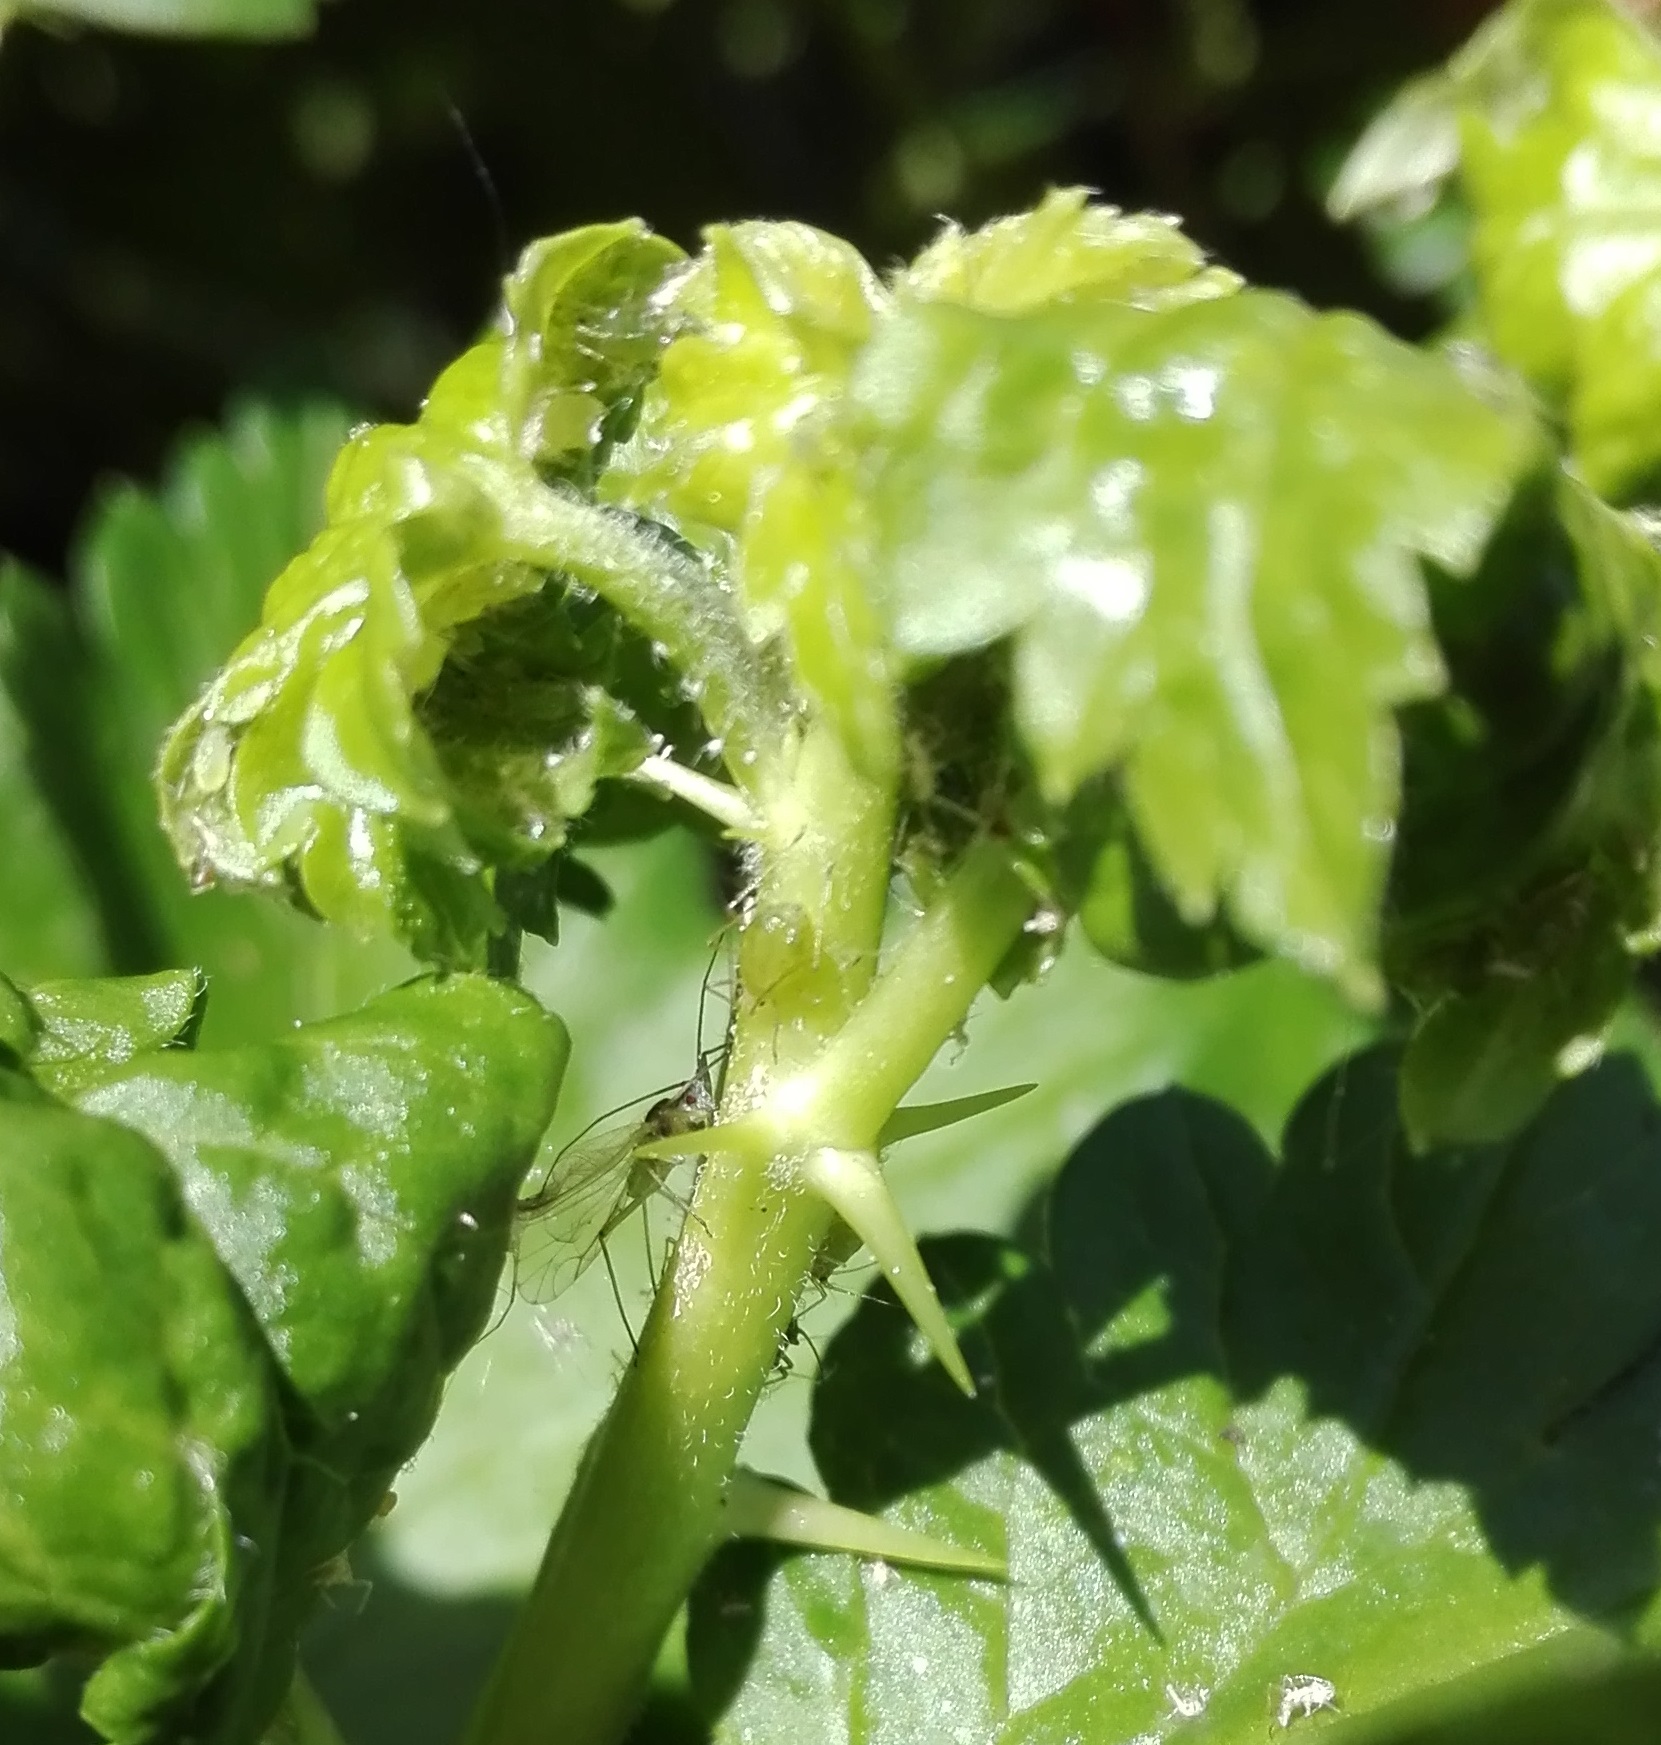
(648, 1505)
(715, 799)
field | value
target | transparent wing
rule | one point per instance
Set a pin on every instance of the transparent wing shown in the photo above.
(560, 1226)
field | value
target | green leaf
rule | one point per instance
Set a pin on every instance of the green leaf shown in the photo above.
(738, 450)
(352, 1187)
(143, 1440)
(358, 1178)
(1067, 249)
(1201, 527)
(1557, 106)
(584, 325)
(49, 914)
(443, 626)
(19, 1027)
(1357, 1415)
(87, 1029)
(1105, 878)
(167, 582)
(1526, 873)
(236, 18)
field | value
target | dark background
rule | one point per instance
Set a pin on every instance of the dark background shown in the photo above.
(181, 220)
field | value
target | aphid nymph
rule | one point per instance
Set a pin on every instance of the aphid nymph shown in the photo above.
(1303, 1694)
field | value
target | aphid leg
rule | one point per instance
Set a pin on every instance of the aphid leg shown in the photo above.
(617, 1296)
(646, 1240)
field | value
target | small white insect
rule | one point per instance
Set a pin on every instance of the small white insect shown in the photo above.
(1302, 1694)
(1187, 1704)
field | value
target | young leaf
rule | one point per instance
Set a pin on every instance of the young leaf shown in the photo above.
(737, 449)
(1359, 1416)
(1201, 526)
(1067, 249)
(87, 1029)
(1556, 104)
(336, 758)
(167, 582)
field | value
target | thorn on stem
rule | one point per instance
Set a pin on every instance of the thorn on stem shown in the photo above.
(852, 1184)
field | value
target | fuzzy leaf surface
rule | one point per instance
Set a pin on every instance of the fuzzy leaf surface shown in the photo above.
(1353, 1414)
(1068, 248)
(1201, 527)
(85, 1029)
(739, 450)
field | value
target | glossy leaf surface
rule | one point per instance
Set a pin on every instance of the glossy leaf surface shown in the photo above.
(1201, 527)
(1352, 1415)
(738, 450)
(342, 1200)
(141, 1429)
(338, 757)
(358, 1178)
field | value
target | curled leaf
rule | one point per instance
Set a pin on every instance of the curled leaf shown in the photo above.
(434, 688)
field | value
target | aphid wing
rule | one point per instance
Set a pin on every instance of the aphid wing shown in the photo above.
(561, 1226)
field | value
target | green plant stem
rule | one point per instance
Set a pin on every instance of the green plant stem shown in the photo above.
(920, 998)
(648, 1505)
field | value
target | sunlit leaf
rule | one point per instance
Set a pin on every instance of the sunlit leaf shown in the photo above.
(1068, 248)
(234, 18)
(1352, 1416)
(1201, 527)
(1552, 115)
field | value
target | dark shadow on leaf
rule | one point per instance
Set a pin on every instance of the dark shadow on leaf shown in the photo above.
(725, 1621)
(1489, 1317)
(406, 1667)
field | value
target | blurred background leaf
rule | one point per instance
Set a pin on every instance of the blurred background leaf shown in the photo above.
(257, 18)
(182, 221)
